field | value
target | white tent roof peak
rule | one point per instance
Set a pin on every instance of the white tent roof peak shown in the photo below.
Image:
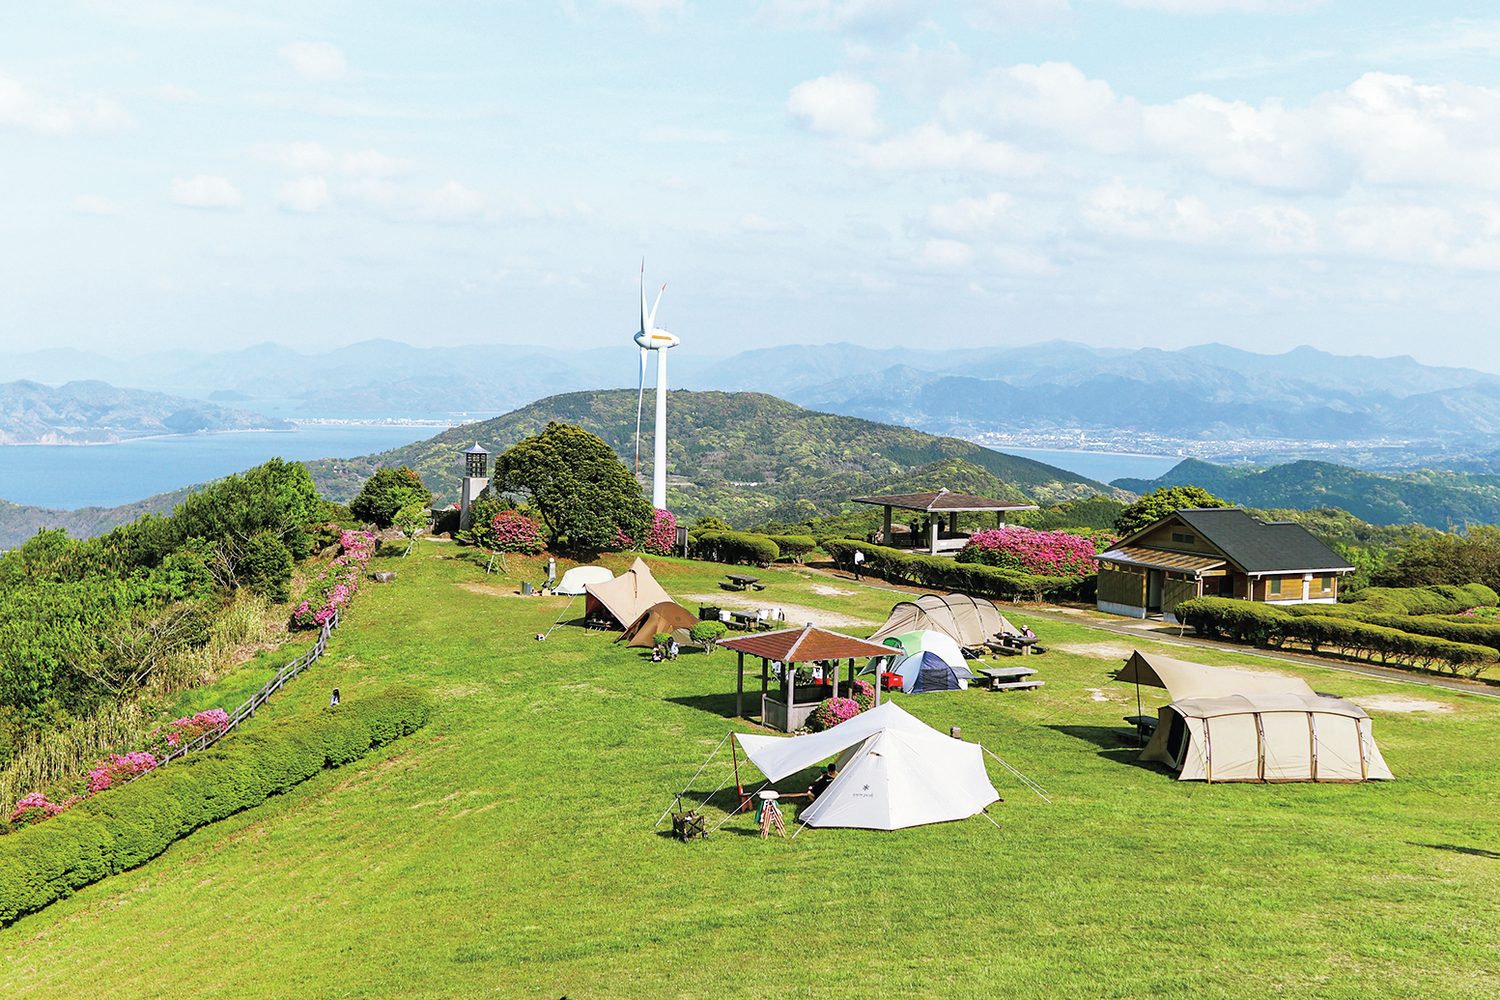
(781, 756)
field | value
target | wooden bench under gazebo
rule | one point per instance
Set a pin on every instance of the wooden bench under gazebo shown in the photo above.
(790, 647)
(940, 532)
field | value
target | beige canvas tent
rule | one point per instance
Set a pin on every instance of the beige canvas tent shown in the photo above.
(968, 621)
(668, 617)
(625, 598)
(1198, 680)
(1266, 737)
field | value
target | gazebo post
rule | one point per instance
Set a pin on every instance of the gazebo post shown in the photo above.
(885, 537)
(789, 682)
(877, 685)
(739, 693)
(835, 671)
(932, 535)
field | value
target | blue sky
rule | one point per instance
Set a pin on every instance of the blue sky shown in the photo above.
(1128, 172)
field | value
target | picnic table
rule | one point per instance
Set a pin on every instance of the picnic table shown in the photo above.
(738, 581)
(1012, 645)
(1011, 678)
(745, 619)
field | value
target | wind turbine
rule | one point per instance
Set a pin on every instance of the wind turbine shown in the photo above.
(649, 338)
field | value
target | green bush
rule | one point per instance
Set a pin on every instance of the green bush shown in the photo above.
(1444, 599)
(742, 547)
(707, 634)
(951, 575)
(794, 547)
(266, 566)
(125, 827)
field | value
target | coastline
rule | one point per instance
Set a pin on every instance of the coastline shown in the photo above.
(297, 425)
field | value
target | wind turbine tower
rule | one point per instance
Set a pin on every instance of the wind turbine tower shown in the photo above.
(650, 338)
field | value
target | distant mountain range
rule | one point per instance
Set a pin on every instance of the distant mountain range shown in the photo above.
(1229, 403)
(99, 413)
(743, 456)
(1437, 499)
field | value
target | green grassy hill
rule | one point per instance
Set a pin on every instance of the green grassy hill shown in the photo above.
(1436, 499)
(508, 848)
(744, 456)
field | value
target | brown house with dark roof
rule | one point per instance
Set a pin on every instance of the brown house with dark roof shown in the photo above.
(1216, 552)
(939, 531)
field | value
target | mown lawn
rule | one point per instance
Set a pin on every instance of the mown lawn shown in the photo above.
(507, 849)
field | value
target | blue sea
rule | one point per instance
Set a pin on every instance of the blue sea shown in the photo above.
(1103, 466)
(108, 475)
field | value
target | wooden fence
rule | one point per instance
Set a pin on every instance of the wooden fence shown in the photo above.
(259, 698)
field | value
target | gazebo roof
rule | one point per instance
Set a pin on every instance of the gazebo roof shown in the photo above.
(478, 449)
(943, 500)
(799, 645)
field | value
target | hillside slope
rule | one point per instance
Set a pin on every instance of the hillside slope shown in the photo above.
(18, 522)
(1436, 499)
(100, 413)
(742, 455)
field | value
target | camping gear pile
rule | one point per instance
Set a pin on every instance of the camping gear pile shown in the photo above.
(1225, 724)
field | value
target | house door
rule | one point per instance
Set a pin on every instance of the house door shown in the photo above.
(1153, 590)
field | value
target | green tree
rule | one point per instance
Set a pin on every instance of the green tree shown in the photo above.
(266, 567)
(410, 520)
(1160, 503)
(386, 492)
(1441, 557)
(585, 496)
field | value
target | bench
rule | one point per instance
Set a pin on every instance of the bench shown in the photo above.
(1016, 685)
(1144, 724)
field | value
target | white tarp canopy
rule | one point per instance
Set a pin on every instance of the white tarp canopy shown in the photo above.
(895, 771)
(575, 579)
(1267, 737)
(1197, 680)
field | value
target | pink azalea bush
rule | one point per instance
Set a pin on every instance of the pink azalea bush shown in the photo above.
(165, 739)
(36, 807)
(335, 586)
(864, 695)
(515, 532)
(661, 538)
(118, 768)
(832, 712)
(1046, 553)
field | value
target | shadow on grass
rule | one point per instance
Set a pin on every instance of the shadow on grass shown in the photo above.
(1122, 746)
(721, 705)
(1478, 852)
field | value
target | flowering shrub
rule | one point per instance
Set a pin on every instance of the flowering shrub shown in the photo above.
(661, 538)
(335, 586)
(36, 807)
(832, 712)
(119, 767)
(864, 695)
(515, 532)
(1049, 553)
(165, 739)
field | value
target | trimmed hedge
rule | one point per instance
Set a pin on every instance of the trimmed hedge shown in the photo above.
(1479, 633)
(949, 574)
(744, 547)
(794, 547)
(1445, 599)
(125, 827)
(1392, 639)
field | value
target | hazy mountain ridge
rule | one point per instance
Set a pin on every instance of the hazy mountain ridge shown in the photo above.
(92, 412)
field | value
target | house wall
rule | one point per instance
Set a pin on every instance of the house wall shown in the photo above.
(1323, 588)
(1122, 591)
(1176, 588)
(1161, 538)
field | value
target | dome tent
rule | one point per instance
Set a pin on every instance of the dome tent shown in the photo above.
(575, 579)
(667, 617)
(928, 660)
(968, 621)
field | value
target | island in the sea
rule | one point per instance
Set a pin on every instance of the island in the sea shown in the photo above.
(92, 412)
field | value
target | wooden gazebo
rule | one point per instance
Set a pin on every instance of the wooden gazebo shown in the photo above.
(941, 507)
(791, 646)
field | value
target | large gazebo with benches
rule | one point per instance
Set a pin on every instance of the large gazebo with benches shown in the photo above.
(941, 533)
(789, 647)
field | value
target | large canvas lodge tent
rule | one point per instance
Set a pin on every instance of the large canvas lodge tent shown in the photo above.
(1227, 724)
(625, 598)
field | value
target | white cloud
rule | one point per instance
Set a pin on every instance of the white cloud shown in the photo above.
(319, 61)
(93, 204)
(452, 202)
(21, 107)
(298, 156)
(931, 147)
(838, 105)
(753, 222)
(880, 18)
(303, 194)
(946, 254)
(970, 215)
(1120, 209)
(205, 191)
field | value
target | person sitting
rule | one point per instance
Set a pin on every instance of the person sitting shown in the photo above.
(655, 654)
(672, 649)
(1026, 632)
(821, 783)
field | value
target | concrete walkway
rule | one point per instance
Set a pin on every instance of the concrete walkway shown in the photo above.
(1169, 635)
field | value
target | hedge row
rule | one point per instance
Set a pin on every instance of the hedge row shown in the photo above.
(743, 547)
(128, 826)
(794, 547)
(1479, 633)
(1445, 599)
(1250, 622)
(950, 575)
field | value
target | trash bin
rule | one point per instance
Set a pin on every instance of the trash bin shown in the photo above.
(526, 588)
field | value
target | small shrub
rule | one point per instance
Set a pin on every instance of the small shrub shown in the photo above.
(708, 634)
(831, 713)
(266, 567)
(794, 547)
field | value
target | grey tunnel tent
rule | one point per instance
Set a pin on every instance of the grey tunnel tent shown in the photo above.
(968, 621)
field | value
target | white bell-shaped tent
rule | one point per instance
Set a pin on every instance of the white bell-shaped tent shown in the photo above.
(895, 771)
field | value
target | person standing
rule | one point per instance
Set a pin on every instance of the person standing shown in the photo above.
(334, 701)
(859, 560)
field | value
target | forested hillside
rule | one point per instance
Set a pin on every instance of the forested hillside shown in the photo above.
(742, 456)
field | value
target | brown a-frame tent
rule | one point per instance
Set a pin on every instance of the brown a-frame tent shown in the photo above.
(668, 616)
(625, 598)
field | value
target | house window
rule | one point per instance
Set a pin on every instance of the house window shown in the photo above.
(1184, 538)
(1276, 587)
(1325, 582)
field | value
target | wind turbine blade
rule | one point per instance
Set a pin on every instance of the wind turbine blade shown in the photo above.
(654, 305)
(645, 322)
(640, 397)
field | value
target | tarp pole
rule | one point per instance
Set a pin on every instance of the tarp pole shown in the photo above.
(739, 695)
